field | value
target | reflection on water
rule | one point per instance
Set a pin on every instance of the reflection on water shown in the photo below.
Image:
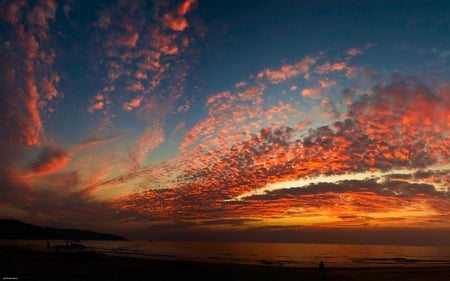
(285, 254)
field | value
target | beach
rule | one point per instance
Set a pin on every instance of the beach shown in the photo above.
(26, 264)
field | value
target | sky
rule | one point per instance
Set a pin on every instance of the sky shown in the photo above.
(247, 120)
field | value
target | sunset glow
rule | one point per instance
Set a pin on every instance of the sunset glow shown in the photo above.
(190, 116)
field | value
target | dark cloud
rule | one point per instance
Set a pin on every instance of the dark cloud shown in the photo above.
(15, 187)
(387, 188)
(231, 221)
(50, 159)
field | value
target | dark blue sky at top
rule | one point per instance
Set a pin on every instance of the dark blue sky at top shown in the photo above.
(258, 34)
(243, 37)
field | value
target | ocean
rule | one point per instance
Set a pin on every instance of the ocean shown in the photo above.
(271, 254)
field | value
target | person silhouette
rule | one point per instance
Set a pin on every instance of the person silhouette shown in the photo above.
(321, 266)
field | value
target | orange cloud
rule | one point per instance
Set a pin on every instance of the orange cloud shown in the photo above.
(176, 20)
(354, 52)
(130, 38)
(311, 92)
(140, 75)
(382, 132)
(328, 67)
(134, 87)
(227, 114)
(34, 65)
(144, 62)
(240, 84)
(132, 104)
(99, 102)
(169, 50)
(96, 106)
(287, 71)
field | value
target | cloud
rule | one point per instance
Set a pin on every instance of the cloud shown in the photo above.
(328, 67)
(104, 20)
(99, 102)
(49, 160)
(230, 221)
(98, 105)
(287, 71)
(240, 84)
(354, 52)
(228, 114)
(138, 63)
(95, 141)
(58, 182)
(132, 104)
(399, 189)
(311, 92)
(176, 19)
(148, 141)
(130, 38)
(32, 63)
(134, 87)
(11, 12)
(41, 14)
(387, 129)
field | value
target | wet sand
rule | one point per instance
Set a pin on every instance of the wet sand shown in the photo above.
(25, 264)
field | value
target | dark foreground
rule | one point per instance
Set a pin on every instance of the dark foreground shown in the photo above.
(24, 264)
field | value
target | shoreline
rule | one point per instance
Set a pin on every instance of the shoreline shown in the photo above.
(28, 264)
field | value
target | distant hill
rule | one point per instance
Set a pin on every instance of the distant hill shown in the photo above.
(14, 229)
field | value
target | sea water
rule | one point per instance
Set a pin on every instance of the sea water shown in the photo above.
(280, 254)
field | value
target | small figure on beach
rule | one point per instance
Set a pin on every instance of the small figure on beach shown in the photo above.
(321, 266)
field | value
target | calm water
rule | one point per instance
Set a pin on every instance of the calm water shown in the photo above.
(285, 254)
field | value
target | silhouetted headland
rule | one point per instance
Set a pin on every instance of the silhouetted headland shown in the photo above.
(15, 229)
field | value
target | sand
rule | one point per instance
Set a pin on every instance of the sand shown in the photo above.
(25, 264)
